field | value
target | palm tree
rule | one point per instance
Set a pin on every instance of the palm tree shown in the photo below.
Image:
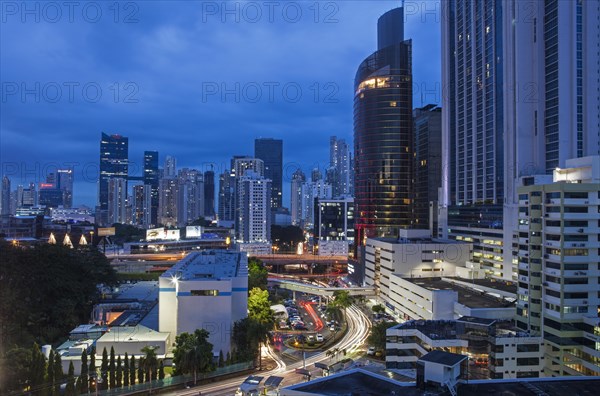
(150, 361)
(342, 299)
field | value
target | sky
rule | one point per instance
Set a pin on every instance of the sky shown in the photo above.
(197, 80)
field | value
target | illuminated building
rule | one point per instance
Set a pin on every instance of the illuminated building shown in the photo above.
(383, 133)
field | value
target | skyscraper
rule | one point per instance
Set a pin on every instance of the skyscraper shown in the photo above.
(209, 193)
(5, 198)
(383, 133)
(190, 200)
(226, 196)
(298, 179)
(340, 171)
(428, 165)
(271, 152)
(114, 163)
(522, 96)
(117, 200)
(151, 179)
(254, 212)
(65, 184)
(141, 208)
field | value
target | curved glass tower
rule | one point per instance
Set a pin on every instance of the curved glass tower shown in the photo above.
(383, 134)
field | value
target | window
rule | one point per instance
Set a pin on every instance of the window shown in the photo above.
(528, 361)
(528, 348)
(204, 293)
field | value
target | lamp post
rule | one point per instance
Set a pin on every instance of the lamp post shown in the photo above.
(92, 237)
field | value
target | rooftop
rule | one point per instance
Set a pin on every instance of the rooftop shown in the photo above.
(132, 334)
(470, 297)
(420, 240)
(443, 358)
(212, 264)
(462, 328)
(565, 386)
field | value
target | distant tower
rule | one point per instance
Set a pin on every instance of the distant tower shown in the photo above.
(271, 152)
(209, 193)
(114, 163)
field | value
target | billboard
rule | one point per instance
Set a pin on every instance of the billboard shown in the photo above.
(109, 231)
(193, 232)
(155, 233)
(172, 235)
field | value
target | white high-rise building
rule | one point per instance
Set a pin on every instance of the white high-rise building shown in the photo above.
(521, 95)
(205, 290)
(558, 243)
(117, 200)
(254, 214)
(142, 201)
(298, 179)
(310, 191)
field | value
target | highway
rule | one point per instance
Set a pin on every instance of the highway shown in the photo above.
(358, 331)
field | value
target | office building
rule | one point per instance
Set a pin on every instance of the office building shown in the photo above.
(170, 169)
(5, 201)
(190, 200)
(271, 152)
(316, 189)
(428, 165)
(383, 133)
(168, 195)
(521, 96)
(205, 290)
(334, 226)
(340, 172)
(254, 215)
(226, 210)
(114, 163)
(151, 178)
(209, 194)
(50, 196)
(557, 246)
(298, 180)
(117, 201)
(142, 206)
(240, 164)
(27, 197)
(497, 349)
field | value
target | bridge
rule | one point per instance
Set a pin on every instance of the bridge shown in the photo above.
(321, 291)
(301, 259)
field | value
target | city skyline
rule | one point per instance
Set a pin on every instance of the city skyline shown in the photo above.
(173, 119)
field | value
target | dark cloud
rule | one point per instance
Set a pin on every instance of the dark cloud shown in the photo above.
(159, 80)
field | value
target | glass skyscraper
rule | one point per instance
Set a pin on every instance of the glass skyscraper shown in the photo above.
(271, 152)
(151, 178)
(114, 163)
(383, 133)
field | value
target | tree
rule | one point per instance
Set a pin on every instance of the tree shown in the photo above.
(342, 299)
(257, 274)
(150, 362)
(112, 369)
(50, 379)
(83, 376)
(126, 374)
(261, 316)
(93, 380)
(132, 370)
(70, 388)
(38, 366)
(14, 369)
(104, 369)
(61, 290)
(161, 370)
(58, 372)
(140, 371)
(119, 373)
(377, 337)
(193, 353)
(378, 308)
(221, 359)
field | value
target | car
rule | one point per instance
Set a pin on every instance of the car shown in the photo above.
(332, 328)
(319, 337)
(371, 351)
(311, 338)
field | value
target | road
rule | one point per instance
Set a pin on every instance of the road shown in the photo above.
(358, 331)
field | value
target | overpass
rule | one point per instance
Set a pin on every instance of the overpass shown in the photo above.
(275, 259)
(321, 291)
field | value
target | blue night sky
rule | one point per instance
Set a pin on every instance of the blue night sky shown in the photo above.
(155, 71)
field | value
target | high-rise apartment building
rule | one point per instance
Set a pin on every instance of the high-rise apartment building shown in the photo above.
(558, 244)
(151, 178)
(254, 212)
(383, 133)
(117, 201)
(141, 206)
(298, 180)
(5, 198)
(227, 196)
(190, 200)
(428, 165)
(209, 193)
(114, 163)
(522, 96)
(271, 152)
(340, 171)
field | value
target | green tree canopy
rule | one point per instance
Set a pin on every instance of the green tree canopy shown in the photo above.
(377, 335)
(259, 307)
(193, 353)
(257, 274)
